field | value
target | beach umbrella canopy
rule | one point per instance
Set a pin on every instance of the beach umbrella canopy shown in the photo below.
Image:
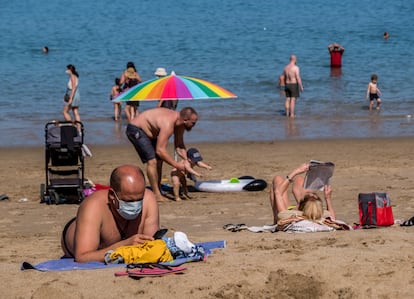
(174, 87)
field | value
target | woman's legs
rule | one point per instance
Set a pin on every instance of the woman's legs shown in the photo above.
(128, 111)
(75, 111)
(117, 111)
(134, 110)
(278, 196)
(66, 114)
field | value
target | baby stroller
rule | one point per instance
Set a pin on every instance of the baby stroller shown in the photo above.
(64, 163)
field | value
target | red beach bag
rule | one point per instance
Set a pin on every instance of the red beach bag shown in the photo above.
(375, 209)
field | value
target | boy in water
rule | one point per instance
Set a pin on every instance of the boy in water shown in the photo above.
(373, 92)
(178, 178)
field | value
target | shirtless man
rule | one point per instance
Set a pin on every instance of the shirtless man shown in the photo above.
(293, 85)
(126, 214)
(149, 132)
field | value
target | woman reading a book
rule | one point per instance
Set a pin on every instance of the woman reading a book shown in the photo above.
(308, 203)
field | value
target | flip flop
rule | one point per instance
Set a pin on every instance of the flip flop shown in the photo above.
(229, 226)
(3, 197)
(235, 227)
(409, 222)
(154, 270)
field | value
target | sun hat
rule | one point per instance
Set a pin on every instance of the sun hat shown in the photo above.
(194, 155)
(160, 72)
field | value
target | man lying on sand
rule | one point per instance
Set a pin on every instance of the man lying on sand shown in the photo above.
(126, 214)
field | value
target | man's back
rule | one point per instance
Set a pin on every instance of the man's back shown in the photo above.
(291, 73)
(156, 119)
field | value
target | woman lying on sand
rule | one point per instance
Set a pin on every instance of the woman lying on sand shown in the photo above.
(308, 202)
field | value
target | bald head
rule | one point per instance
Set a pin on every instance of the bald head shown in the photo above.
(293, 58)
(187, 112)
(127, 176)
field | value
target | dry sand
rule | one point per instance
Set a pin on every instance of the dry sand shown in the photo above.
(375, 263)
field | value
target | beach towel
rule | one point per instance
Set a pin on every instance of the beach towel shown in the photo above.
(66, 264)
(300, 224)
(307, 226)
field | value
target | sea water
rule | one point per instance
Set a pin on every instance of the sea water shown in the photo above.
(241, 45)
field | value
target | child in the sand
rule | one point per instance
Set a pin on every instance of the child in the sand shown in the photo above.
(178, 178)
(373, 92)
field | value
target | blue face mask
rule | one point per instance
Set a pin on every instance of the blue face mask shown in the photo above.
(129, 210)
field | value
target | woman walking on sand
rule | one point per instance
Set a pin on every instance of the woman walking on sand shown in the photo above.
(72, 96)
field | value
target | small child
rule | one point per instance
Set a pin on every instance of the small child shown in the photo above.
(281, 85)
(373, 92)
(115, 91)
(178, 178)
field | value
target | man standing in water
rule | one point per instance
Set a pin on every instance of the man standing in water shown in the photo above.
(293, 84)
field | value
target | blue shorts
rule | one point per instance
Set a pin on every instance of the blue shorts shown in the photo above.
(144, 145)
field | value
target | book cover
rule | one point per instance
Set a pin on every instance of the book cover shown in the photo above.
(318, 175)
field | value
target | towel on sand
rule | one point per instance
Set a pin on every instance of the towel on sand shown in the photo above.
(65, 264)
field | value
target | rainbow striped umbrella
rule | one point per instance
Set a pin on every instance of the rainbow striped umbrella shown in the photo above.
(174, 87)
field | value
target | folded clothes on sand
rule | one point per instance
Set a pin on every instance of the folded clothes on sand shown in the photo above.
(154, 251)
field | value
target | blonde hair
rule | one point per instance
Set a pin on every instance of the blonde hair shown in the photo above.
(312, 207)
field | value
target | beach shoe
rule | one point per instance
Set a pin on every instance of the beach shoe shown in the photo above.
(229, 226)
(3, 197)
(409, 222)
(235, 227)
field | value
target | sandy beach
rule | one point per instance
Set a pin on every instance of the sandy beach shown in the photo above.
(374, 263)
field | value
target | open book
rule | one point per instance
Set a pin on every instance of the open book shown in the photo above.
(318, 175)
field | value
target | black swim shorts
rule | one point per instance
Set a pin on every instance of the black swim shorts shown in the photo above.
(65, 230)
(292, 90)
(133, 103)
(144, 145)
(373, 96)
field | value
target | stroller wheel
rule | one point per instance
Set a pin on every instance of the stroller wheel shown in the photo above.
(47, 199)
(54, 197)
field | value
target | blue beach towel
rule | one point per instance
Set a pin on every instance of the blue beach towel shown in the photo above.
(65, 264)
